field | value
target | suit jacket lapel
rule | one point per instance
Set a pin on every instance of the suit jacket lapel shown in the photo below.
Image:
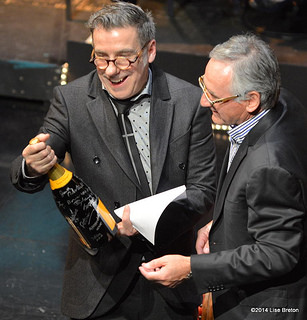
(223, 172)
(105, 120)
(251, 139)
(161, 117)
(227, 177)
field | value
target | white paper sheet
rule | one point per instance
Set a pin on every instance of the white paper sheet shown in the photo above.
(145, 213)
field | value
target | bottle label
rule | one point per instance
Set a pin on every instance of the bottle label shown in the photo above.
(107, 217)
(83, 210)
(62, 181)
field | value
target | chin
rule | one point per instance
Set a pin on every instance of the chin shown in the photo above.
(217, 120)
(119, 95)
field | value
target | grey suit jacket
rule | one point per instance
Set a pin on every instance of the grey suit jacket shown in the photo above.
(82, 122)
(257, 269)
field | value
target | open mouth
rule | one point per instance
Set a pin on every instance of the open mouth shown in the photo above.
(118, 82)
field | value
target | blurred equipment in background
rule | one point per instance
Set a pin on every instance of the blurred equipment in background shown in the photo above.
(277, 17)
(28, 80)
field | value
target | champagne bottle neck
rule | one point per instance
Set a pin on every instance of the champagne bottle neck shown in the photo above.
(56, 172)
(59, 177)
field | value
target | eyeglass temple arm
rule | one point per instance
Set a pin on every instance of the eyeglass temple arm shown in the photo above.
(92, 55)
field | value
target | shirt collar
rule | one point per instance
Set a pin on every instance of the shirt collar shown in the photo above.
(239, 132)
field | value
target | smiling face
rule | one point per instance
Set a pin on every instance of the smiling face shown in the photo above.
(217, 79)
(123, 42)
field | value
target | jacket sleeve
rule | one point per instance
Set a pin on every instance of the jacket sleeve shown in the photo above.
(56, 124)
(269, 224)
(201, 169)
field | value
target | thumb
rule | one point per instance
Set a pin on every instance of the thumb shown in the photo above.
(126, 213)
(42, 137)
(153, 264)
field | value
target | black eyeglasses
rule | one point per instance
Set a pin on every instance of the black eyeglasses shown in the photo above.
(212, 102)
(121, 63)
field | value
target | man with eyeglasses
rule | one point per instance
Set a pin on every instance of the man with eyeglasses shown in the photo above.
(91, 118)
(253, 256)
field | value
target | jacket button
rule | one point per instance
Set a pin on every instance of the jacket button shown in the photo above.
(182, 166)
(96, 160)
(116, 204)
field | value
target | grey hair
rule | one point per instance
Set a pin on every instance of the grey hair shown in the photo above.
(254, 65)
(123, 14)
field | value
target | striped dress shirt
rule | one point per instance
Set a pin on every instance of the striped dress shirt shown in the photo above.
(239, 132)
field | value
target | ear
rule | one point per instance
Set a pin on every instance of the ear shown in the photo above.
(253, 102)
(152, 50)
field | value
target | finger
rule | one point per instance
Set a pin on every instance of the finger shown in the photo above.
(158, 275)
(206, 249)
(199, 248)
(38, 143)
(155, 264)
(200, 243)
(34, 147)
(125, 227)
(127, 224)
(46, 158)
(40, 154)
(149, 274)
(123, 230)
(39, 157)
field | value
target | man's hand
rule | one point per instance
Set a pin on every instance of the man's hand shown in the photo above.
(125, 227)
(39, 157)
(202, 242)
(168, 270)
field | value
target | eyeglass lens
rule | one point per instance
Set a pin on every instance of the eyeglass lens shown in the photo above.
(120, 62)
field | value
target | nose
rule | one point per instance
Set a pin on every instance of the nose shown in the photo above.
(204, 101)
(111, 69)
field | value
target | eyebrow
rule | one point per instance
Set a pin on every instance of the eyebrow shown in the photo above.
(118, 54)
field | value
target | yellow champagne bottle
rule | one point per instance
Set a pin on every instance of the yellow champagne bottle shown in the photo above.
(81, 207)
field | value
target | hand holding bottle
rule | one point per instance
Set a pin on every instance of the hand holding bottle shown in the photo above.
(80, 206)
(39, 157)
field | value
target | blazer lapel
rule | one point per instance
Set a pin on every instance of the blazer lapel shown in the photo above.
(161, 117)
(105, 120)
(226, 179)
(223, 172)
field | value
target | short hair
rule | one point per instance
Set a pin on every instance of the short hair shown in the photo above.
(123, 14)
(255, 67)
